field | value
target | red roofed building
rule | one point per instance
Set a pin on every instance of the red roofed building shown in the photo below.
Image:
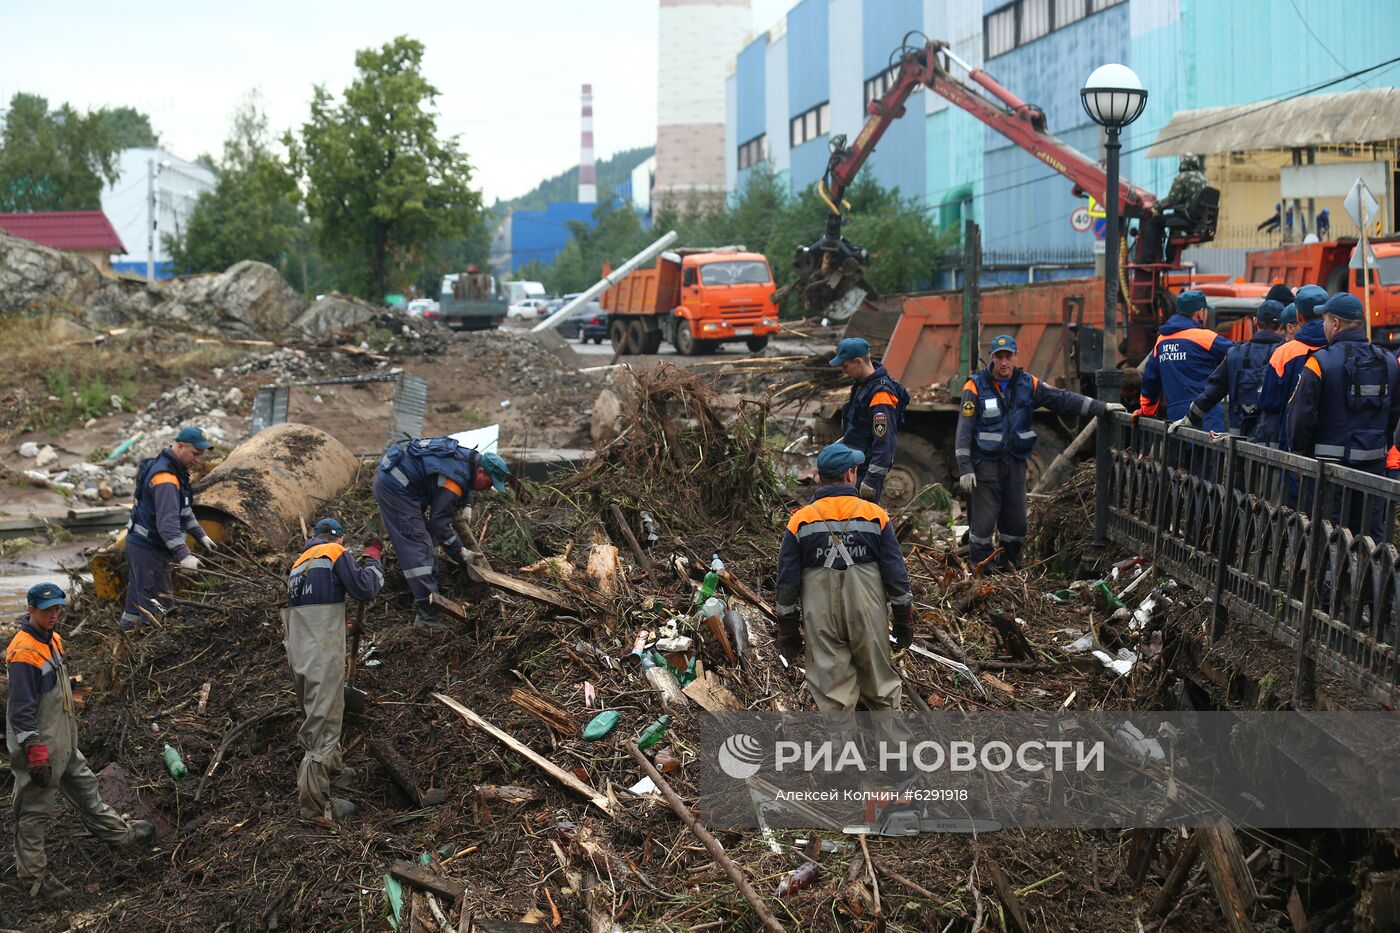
(86, 233)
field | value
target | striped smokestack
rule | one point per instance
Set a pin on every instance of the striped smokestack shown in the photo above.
(587, 171)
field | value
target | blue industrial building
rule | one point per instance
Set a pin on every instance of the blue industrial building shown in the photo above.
(541, 235)
(809, 77)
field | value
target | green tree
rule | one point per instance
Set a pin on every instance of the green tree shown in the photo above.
(131, 128)
(252, 213)
(56, 160)
(380, 184)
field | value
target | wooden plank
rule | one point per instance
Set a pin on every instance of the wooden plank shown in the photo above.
(1008, 897)
(545, 710)
(1230, 885)
(454, 609)
(1166, 897)
(709, 694)
(424, 880)
(524, 588)
(566, 778)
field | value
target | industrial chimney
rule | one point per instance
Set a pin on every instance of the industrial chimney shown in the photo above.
(587, 171)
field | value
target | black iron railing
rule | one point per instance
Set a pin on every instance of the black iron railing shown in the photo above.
(1236, 520)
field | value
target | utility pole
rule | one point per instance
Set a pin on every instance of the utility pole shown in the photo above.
(150, 220)
(971, 302)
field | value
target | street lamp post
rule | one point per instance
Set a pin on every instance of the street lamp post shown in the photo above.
(1113, 97)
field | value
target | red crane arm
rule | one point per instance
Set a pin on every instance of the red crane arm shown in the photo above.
(1022, 123)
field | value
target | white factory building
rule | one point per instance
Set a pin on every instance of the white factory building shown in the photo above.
(153, 196)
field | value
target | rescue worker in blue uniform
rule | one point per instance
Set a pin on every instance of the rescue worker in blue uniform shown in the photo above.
(1344, 408)
(41, 733)
(1286, 362)
(161, 515)
(320, 581)
(1240, 377)
(420, 486)
(995, 437)
(838, 567)
(873, 415)
(1289, 319)
(1183, 359)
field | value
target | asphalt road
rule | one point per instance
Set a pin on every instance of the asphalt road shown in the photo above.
(735, 350)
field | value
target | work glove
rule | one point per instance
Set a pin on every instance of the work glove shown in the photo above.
(868, 493)
(903, 625)
(40, 771)
(968, 482)
(374, 549)
(189, 562)
(467, 556)
(1183, 422)
(208, 543)
(1114, 406)
(466, 514)
(790, 636)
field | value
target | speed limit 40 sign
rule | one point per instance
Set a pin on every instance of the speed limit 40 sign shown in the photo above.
(1079, 219)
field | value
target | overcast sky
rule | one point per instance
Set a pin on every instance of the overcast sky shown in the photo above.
(508, 72)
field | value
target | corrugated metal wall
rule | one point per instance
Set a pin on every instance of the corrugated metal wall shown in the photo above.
(899, 160)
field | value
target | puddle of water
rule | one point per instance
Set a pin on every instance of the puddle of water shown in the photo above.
(41, 565)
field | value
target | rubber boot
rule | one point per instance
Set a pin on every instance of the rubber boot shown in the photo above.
(342, 809)
(345, 780)
(53, 890)
(141, 832)
(427, 617)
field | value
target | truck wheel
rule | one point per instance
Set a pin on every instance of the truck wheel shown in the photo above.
(917, 464)
(651, 343)
(617, 333)
(755, 344)
(685, 340)
(1337, 280)
(637, 337)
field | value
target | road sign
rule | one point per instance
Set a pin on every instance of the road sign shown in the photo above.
(1100, 229)
(1362, 257)
(1080, 220)
(1361, 205)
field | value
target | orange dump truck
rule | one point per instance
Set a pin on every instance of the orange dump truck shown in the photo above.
(1326, 264)
(1058, 327)
(694, 299)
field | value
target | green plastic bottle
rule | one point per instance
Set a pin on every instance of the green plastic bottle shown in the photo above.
(1113, 601)
(653, 733)
(707, 588)
(600, 725)
(174, 763)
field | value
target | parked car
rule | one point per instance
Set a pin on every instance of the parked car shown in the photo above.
(426, 308)
(587, 322)
(528, 309)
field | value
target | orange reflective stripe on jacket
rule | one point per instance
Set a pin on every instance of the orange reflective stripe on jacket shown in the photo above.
(1314, 366)
(884, 398)
(329, 550)
(1200, 336)
(1284, 354)
(452, 485)
(160, 479)
(970, 386)
(837, 508)
(27, 649)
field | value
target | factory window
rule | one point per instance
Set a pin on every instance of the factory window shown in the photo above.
(1024, 21)
(809, 124)
(878, 86)
(1068, 11)
(754, 151)
(1000, 29)
(1035, 20)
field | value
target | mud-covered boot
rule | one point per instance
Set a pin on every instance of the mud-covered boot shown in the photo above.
(141, 832)
(427, 617)
(52, 890)
(342, 809)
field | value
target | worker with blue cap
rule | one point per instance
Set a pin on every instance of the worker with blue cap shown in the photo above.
(315, 627)
(1345, 407)
(994, 440)
(1240, 377)
(839, 567)
(1286, 363)
(1288, 317)
(41, 733)
(421, 485)
(873, 415)
(1185, 355)
(161, 515)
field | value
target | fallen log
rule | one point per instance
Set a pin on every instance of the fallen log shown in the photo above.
(423, 880)
(1229, 875)
(566, 778)
(399, 770)
(1008, 897)
(733, 584)
(710, 843)
(1167, 896)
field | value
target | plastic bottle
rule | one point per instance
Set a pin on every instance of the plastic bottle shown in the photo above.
(803, 877)
(174, 763)
(600, 725)
(654, 732)
(716, 564)
(707, 588)
(714, 606)
(1113, 601)
(666, 760)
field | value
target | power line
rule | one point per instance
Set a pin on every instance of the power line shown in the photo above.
(1302, 19)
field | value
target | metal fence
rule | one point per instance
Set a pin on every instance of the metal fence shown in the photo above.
(1238, 520)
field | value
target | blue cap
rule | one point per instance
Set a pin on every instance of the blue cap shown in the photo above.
(44, 595)
(1005, 343)
(849, 349)
(1289, 315)
(837, 458)
(1268, 312)
(1309, 300)
(1190, 301)
(1280, 293)
(492, 463)
(195, 436)
(329, 526)
(1345, 306)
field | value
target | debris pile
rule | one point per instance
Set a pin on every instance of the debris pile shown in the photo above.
(187, 403)
(285, 364)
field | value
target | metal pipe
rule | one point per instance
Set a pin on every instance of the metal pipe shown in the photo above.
(606, 282)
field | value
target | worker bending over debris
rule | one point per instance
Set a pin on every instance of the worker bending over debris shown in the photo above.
(841, 563)
(420, 485)
(995, 438)
(322, 577)
(873, 415)
(41, 730)
(162, 513)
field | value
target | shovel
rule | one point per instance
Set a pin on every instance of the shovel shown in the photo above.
(355, 698)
